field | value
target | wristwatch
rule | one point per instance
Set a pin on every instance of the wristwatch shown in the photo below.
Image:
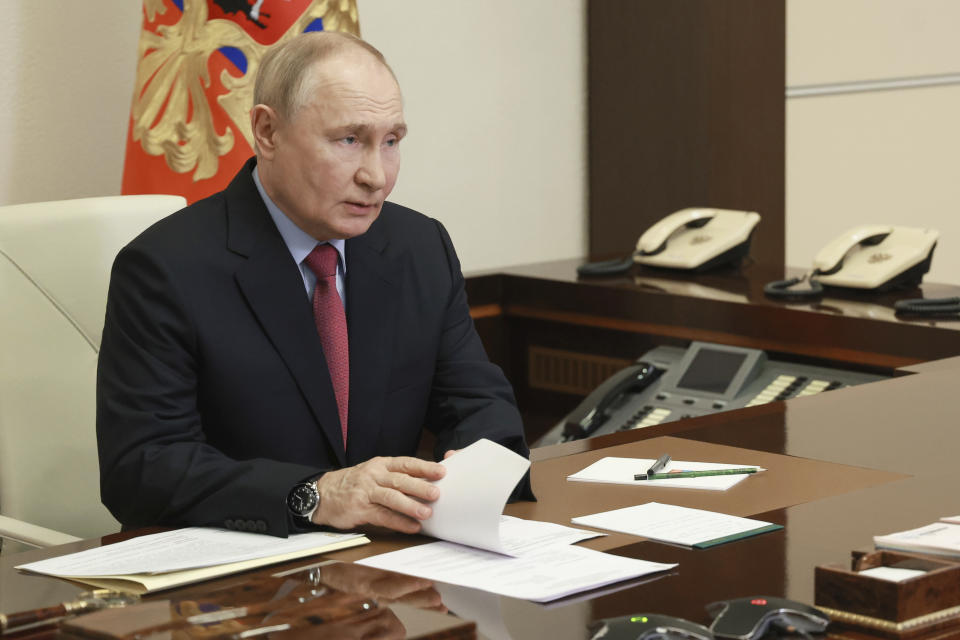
(303, 500)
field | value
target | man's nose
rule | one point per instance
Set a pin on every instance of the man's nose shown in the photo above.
(371, 173)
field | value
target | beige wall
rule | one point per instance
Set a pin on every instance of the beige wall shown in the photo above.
(496, 101)
(494, 94)
(65, 89)
(886, 157)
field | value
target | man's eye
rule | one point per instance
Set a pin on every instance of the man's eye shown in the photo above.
(392, 142)
(350, 139)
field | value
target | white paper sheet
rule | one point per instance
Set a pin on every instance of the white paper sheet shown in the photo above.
(939, 538)
(544, 574)
(478, 483)
(520, 536)
(621, 471)
(180, 549)
(892, 574)
(678, 525)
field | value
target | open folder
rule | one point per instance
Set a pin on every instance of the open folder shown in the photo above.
(183, 556)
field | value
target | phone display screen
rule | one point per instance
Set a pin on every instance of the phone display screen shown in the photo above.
(711, 371)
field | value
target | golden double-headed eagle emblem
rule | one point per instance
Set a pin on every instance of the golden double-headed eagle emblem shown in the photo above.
(171, 113)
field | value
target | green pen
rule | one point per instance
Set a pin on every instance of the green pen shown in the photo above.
(694, 474)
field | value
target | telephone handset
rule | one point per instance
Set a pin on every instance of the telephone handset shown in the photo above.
(697, 239)
(830, 258)
(655, 238)
(693, 239)
(595, 408)
(871, 257)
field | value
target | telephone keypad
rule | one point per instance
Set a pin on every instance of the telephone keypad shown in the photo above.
(814, 387)
(654, 417)
(779, 389)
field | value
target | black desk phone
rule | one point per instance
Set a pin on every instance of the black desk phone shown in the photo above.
(671, 383)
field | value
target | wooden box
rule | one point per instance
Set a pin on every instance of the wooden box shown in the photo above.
(912, 608)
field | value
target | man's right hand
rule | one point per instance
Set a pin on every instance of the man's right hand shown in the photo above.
(386, 492)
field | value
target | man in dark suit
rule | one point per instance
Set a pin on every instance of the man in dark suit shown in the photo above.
(241, 383)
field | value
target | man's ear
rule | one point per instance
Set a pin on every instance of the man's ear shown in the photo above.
(265, 122)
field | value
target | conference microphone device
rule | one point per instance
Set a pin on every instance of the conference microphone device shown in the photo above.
(648, 626)
(753, 617)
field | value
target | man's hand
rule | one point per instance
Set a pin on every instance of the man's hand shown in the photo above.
(382, 491)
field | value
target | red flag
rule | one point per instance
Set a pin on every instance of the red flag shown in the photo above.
(189, 127)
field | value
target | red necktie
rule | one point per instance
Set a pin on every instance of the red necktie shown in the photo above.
(332, 326)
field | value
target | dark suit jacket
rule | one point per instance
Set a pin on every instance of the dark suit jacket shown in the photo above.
(213, 396)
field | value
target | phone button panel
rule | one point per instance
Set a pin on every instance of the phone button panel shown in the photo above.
(675, 393)
(654, 417)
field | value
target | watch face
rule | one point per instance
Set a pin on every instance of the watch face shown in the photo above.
(302, 499)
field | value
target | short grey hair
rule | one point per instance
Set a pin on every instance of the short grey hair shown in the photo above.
(283, 69)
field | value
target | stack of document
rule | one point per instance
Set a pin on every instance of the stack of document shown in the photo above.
(481, 549)
(940, 538)
(484, 550)
(183, 556)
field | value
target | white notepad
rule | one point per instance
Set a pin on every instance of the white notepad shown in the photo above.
(678, 525)
(621, 471)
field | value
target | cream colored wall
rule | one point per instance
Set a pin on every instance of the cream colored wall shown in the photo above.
(65, 89)
(884, 156)
(494, 95)
(495, 99)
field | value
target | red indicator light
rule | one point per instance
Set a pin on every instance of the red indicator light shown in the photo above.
(758, 601)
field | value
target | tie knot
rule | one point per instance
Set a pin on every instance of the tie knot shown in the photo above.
(323, 260)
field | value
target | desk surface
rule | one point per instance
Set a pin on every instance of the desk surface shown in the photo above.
(888, 449)
(726, 306)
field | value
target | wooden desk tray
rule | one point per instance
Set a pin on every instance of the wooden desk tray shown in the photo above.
(908, 609)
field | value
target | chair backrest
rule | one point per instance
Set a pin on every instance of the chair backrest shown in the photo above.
(55, 260)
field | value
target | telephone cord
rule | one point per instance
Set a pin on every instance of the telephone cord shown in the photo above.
(606, 267)
(928, 306)
(784, 288)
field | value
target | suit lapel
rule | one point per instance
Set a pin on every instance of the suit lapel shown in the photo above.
(373, 292)
(271, 283)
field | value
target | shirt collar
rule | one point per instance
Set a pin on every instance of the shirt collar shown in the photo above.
(299, 242)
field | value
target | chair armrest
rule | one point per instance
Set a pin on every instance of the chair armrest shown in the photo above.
(31, 534)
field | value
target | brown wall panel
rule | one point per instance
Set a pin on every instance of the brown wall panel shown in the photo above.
(686, 108)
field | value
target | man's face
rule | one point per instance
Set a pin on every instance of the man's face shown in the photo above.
(336, 159)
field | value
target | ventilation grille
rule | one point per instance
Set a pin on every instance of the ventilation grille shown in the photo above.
(568, 371)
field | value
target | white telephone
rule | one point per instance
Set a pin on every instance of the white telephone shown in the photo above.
(693, 239)
(877, 257)
(874, 257)
(697, 239)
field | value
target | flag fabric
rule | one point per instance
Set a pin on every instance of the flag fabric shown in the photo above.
(189, 129)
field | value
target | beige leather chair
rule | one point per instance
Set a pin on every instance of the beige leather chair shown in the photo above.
(55, 260)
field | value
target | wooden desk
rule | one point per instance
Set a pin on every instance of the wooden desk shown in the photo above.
(891, 447)
(899, 438)
(558, 336)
